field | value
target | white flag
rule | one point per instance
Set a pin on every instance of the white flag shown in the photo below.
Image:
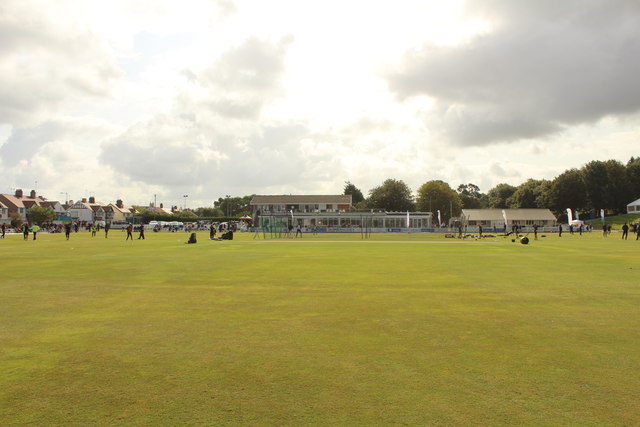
(569, 216)
(439, 219)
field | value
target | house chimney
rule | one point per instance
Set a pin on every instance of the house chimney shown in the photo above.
(161, 206)
(119, 203)
(33, 194)
(92, 200)
(18, 193)
(84, 200)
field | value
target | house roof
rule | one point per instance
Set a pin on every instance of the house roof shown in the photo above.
(341, 199)
(158, 210)
(49, 204)
(123, 209)
(3, 206)
(80, 205)
(634, 203)
(511, 214)
(14, 201)
(11, 201)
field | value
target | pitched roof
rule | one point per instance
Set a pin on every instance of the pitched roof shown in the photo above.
(157, 209)
(49, 204)
(342, 199)
(124, 209)
(511, 214)
(13, 200)
(634, 203)
(80, 205)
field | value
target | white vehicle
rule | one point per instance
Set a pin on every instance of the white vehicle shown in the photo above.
(119, 225)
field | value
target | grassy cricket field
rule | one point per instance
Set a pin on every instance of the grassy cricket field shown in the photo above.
(399, 329)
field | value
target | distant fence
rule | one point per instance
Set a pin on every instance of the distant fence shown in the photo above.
(466, 230)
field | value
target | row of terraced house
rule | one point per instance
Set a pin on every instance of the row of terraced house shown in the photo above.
(83, 211)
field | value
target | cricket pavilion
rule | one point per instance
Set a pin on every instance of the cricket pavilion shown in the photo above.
(332, 214)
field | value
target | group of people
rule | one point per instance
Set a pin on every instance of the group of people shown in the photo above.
(26, 229)
(635, 229)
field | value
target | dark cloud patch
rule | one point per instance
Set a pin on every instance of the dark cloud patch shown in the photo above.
(547, 65)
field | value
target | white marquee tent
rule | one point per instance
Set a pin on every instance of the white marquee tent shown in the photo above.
(633, 207)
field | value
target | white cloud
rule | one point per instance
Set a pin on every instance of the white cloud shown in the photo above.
(48, 60)
(127, 99)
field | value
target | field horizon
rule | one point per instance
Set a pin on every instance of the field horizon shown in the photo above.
(332, 329)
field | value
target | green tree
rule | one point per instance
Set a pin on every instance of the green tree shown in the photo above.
(528, 195)
(356, 194)
(499, 195)
(16, 219)
(393, 196)
(436, 196)
(594, 175)
(234, 206)
(471, 196)
(39, 214)
(567, 190)
(209, 212)
(633, 176)
(618, 187)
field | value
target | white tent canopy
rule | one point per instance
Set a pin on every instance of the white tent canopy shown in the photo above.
(633, 207)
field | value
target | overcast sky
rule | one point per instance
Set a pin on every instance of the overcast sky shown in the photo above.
(135, 98)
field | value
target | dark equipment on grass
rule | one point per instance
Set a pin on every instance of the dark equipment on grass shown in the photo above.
(192, 238)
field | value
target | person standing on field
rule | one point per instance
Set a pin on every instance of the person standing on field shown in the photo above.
(625, 231)
(35, 230)
(25, 231)
(107, 226)
(559, 230)
(141, 236)
(67, 230)
(4, 230)
(129, 232)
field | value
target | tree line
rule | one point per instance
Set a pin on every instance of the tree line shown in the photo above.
(608, 185)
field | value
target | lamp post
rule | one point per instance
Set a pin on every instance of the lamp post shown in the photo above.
(185, 201)
(228, 207)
